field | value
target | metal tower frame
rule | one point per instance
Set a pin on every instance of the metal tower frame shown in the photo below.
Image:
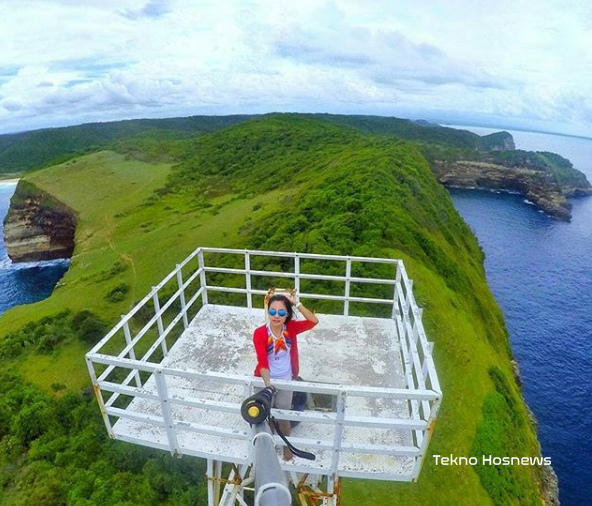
(129, 365)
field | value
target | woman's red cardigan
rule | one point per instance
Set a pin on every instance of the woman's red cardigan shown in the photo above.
(293, 327)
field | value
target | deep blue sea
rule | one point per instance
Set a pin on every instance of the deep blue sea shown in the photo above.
(540, 270)
(27, 282)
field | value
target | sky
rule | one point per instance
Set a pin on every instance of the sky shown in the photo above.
(510, 63)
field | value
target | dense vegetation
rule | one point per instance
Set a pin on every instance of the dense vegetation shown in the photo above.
(283, 182)
(39, 148)
(54, 450)
(420, 131)
(46, 334)
(165, 137)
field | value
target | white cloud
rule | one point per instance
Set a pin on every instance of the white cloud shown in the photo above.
(68, 61)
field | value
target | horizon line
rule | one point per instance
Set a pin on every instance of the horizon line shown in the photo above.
(439, 121)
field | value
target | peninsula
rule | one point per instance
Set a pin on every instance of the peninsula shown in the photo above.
(283, 182)
(545, 179)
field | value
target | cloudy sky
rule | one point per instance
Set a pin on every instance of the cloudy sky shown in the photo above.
(512, 63)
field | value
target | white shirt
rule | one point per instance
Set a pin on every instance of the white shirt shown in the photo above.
(280, 363)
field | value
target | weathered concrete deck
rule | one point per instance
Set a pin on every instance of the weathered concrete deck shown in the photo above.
(345, 350)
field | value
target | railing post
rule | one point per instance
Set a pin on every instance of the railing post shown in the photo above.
(182, 296)
(210, 480)
(337, 439)
(415, 332)
(166, 411)
(202, 278)
(99, 397)
(407, 302)
(427, 436)
(159, 319)
(347, 286)
(396, 309)
(424, 369)
(248, 280)
(132, 353)
(297, 274)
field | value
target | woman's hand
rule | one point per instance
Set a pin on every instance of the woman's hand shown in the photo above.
(292, 299)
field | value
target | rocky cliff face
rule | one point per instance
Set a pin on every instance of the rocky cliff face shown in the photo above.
(538, 186)
(38, 226)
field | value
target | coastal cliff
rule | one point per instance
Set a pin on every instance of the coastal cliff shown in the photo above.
(538, 187)
(38, 226)
(544, 187)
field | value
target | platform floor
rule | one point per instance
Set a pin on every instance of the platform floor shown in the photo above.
(351, 351)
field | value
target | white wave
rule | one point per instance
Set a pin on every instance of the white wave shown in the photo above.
(7, 264)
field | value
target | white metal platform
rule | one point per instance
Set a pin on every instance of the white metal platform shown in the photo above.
(344, 351)
(183, 394)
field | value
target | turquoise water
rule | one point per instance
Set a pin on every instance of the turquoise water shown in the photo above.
(27, 282)
(540, 270)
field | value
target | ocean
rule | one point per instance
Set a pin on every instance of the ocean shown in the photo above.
(540, 271)
(27, 282)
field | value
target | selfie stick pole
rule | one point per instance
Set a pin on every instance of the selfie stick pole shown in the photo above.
(270, 484)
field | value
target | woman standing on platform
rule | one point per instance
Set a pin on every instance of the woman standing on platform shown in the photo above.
(276, 346)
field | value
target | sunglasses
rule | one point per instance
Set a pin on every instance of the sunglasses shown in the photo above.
(281, 312)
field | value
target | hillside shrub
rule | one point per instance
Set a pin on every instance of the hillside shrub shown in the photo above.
(45, 335)
(117, 293)
(88, 327)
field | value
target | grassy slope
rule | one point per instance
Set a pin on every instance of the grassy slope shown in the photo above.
(115, 224)
(414, 220)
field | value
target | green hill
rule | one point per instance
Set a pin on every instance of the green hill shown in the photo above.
(281, 182)
(420, 131)
(32, 150)
(35, 149)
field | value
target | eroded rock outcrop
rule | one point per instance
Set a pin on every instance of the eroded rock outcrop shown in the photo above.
(38, 226)
(538, 186)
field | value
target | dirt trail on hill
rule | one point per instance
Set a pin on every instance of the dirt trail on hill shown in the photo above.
(124, 256)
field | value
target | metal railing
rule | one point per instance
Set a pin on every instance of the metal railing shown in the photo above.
(127, 363)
